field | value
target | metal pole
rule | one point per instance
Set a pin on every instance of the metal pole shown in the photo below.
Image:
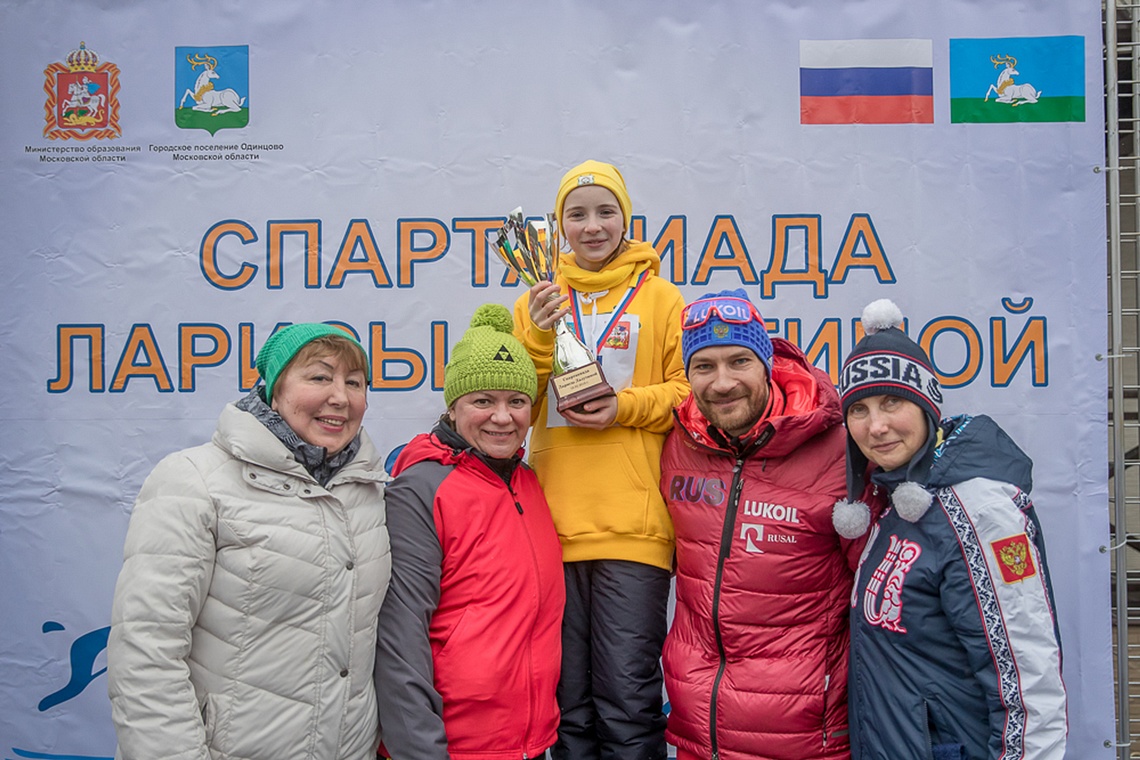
(1116, 366)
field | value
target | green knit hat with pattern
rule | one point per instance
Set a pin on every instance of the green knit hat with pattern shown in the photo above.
(284, 344)
(489, 358)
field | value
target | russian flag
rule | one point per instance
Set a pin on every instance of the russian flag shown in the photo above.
(866, 82)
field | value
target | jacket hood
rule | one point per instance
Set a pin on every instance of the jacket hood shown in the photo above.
(977, 447)
(445, 446)
(442, 445)
(626, 266)
(962, 448)
(258, 445)
(802, 405)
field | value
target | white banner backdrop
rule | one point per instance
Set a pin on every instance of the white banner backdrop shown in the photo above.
(345, 165)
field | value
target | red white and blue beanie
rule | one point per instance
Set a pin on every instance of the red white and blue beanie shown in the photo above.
(716, 332)
(887, 363)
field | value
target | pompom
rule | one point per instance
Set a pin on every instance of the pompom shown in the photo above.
(881, 315)
(911, 501)
(850, 518)
(495, 316)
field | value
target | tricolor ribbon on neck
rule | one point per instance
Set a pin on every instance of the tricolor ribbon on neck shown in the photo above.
(618, 313)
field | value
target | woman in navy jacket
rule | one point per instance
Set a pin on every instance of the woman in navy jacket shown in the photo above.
(955, 650)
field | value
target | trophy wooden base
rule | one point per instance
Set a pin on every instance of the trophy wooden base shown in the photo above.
(577, 386)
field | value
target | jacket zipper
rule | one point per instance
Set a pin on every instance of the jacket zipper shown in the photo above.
(726, 536)
(529, 654)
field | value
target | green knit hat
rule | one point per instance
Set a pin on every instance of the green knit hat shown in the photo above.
(489, 358)
(284, 344)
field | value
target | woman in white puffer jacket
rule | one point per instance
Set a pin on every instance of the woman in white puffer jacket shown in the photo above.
(244, 617)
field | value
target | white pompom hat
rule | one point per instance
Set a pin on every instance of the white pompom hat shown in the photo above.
(887, 362)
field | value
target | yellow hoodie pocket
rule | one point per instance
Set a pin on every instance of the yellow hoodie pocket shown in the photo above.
(595, 489)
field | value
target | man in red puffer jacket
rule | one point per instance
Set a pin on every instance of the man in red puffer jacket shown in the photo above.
(756, 658)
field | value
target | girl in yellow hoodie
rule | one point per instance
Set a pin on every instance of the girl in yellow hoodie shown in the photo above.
(599, 465)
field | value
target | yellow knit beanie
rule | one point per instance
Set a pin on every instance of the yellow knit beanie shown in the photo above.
(594, 173)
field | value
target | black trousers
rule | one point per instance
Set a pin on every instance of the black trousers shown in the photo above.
(610, 692)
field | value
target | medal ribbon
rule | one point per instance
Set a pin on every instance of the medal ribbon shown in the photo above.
(619, 312)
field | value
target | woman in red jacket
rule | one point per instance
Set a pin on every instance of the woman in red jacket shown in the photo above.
(469, 639)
